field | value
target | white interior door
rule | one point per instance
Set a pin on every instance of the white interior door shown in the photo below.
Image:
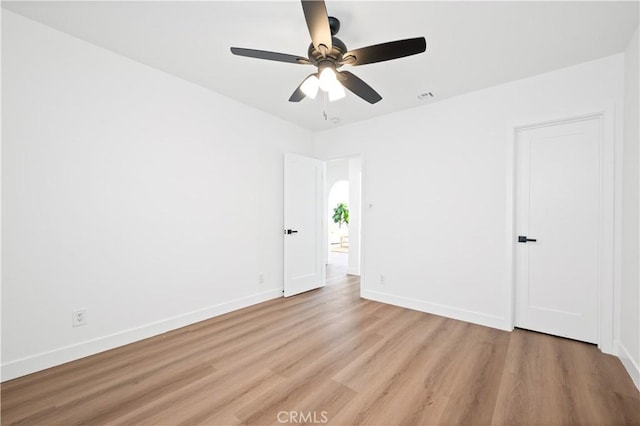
(558, 206)
(303, 207)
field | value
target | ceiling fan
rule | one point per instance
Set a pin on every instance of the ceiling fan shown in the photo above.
(328, 53)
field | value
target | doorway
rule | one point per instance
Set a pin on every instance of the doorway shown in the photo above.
(338, 224)
(343, 199)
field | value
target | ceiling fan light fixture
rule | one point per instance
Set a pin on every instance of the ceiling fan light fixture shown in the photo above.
(336, 92)
(310, 86)
(327, 53)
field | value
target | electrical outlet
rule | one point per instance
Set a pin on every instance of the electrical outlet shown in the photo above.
(382, 280)
(78, 317)
(261, 278)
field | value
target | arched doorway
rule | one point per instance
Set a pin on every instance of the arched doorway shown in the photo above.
(343, 185)
(338, 202)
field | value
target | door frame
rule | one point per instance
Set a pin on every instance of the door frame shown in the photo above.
(607, 210)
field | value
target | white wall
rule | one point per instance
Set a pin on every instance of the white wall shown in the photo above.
(147, 200)
(440, 173)
(629, 345)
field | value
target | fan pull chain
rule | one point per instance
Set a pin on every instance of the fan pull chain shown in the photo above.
(324, 108)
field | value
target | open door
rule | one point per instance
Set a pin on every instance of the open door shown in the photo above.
(303, 208)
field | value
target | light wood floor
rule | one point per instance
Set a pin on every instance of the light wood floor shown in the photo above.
(331, 353)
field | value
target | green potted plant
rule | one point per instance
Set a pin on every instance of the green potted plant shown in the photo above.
(341, 214)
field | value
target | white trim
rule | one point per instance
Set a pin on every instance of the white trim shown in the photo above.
(629, 363)
(607, 219)
(474, 317)
(363, 214)
(324, 226)
(609, 235)
(31, 364)
(510, 280)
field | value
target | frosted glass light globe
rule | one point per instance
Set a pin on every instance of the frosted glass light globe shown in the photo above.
(328, 79)
(310, 86)
(336, 92)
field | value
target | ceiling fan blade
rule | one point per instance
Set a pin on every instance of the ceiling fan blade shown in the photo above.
(359, 87)
(385, 51)
(297, 95)
(315, 12)
(271, 56)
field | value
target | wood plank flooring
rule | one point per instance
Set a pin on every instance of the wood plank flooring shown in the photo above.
(328, 356)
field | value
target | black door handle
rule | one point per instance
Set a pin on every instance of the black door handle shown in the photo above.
(290, 231)
(524, 239)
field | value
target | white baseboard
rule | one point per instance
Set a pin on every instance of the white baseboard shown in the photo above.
(28, 365)
(480, 318)
(629, 363)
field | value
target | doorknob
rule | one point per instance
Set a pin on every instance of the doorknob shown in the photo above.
(524, 239)
(290, 231)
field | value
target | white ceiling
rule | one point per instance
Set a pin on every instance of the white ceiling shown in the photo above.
(470, 45)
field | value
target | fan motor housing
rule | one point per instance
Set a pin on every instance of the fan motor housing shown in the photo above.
(334, 55)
